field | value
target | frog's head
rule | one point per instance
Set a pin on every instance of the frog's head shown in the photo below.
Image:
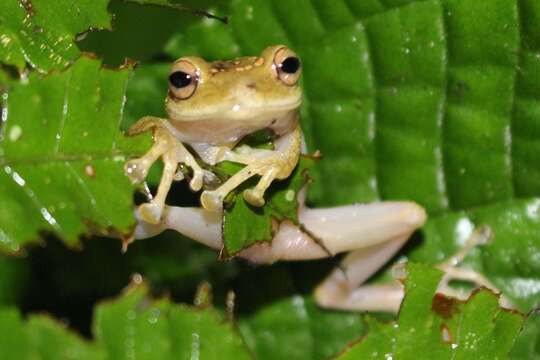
(246, 88)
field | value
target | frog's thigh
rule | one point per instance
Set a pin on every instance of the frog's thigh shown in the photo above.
(342, 228)
(352, 227)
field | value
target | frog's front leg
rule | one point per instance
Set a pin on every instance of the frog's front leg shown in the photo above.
(172, 152)
(270, 165)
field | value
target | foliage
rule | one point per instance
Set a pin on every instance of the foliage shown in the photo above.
(439, 326)
(62, 156)
(132, 326)
(434, 101)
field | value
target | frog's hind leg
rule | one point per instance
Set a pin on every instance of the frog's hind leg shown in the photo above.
(343, 288)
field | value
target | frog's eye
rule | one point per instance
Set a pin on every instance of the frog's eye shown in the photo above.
(183, 79)
(287, 65)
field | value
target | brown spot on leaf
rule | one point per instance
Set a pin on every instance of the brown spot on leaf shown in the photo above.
(444, 306)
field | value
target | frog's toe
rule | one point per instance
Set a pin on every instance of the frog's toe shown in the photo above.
(150, 213)
(211, 201)
(136, 170)
(254, 196)
(196, 182)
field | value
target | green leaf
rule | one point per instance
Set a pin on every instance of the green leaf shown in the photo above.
(62, 156)
(439, 327)
(434, 101)
(431, 101)
(245, 225)
(526, 345)
(406, 99)
(142, 40)
(281, 323)
(40, 337)
(132, 326)
(42, 33)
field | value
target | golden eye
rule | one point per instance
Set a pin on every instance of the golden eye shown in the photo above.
(183, 79)
(287, 65)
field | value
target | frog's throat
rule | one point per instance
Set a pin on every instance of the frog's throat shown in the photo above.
(221, 129)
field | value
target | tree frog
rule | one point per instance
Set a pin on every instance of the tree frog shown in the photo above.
(211, 107)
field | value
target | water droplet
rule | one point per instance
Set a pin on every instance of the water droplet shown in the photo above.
(289, 195)
(5, 40)
(48, 217)
(154, 316)
(399, 272)
(89, 170)
(446, 335)
(249, 13)
(15, 133)
(131, 315)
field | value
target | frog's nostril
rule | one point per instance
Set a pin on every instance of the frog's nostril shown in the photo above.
(251, 85)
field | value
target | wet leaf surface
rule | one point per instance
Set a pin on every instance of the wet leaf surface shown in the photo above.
(476, 329)
(62, 156)
(131, 326)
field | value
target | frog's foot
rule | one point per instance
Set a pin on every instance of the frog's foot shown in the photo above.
(269, 169)
(199, 174)
(150, 212)
(254, 196)
(137, 169)
(212, 200)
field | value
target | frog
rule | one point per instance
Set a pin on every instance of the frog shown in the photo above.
(211, 107)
